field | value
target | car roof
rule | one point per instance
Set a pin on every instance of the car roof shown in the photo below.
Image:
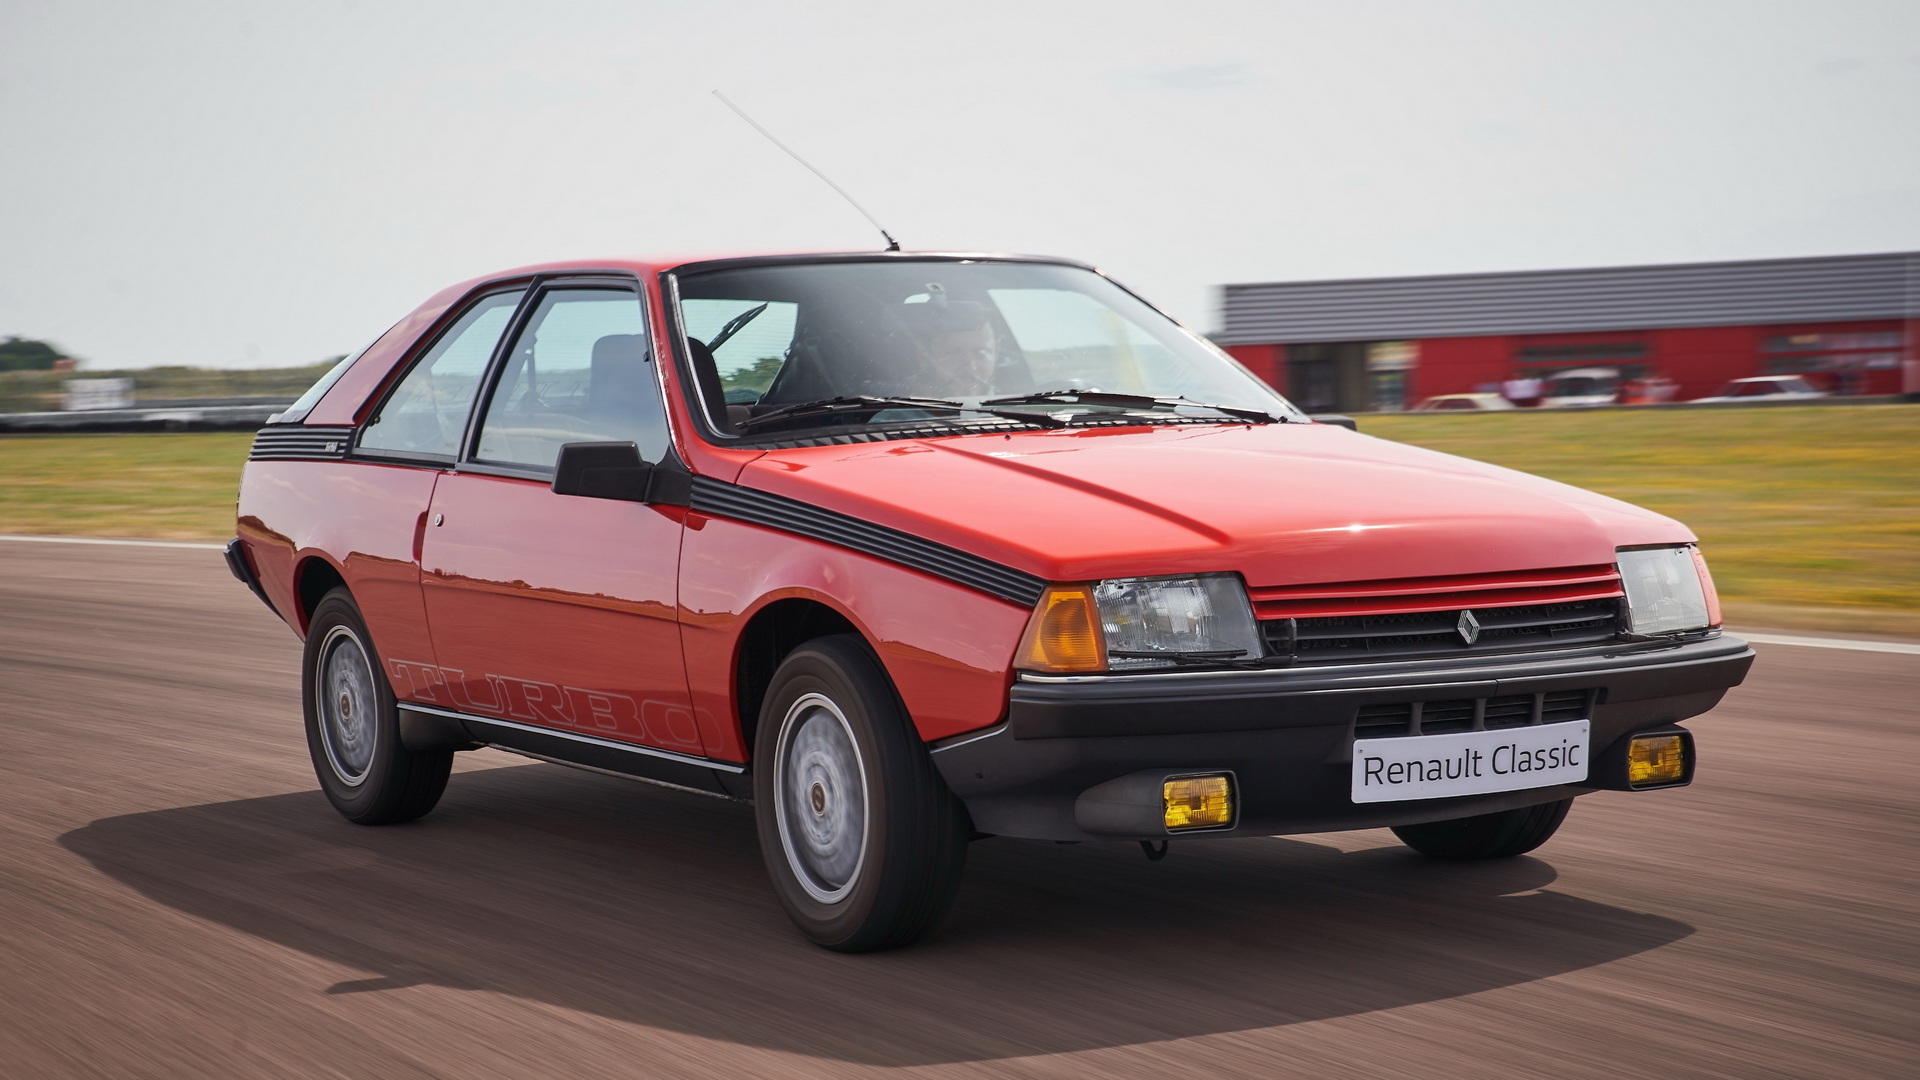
(648, 265)
(346, 399)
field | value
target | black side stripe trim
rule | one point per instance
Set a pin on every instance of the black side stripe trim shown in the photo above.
(720, 499)
(298, 443)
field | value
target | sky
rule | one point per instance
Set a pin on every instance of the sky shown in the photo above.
(259, 185)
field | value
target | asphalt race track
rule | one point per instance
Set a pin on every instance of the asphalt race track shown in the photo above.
(177, 899)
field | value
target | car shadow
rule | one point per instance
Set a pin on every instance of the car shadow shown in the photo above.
(652, 907)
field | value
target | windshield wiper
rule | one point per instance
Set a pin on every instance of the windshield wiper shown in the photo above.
(734, 325)
(1129, 401)
(863, 402)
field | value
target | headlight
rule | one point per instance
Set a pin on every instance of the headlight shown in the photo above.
(1668, 590)
(1131, 623)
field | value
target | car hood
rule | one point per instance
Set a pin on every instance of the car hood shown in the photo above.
(1279, 503)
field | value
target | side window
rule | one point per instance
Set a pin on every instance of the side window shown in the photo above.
(427, 413)
(579, 372)
(753, 337)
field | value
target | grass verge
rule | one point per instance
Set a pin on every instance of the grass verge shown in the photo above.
(159, 487)
(1809, 516)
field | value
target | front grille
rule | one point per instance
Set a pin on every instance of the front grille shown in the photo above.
(1402, 718)
(1401, 635)
(1431, 595)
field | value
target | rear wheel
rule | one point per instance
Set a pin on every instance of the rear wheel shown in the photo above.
(353, 726)
(863, 840)
(1499, 835)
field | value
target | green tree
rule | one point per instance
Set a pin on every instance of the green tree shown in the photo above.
(755, 376)
(20, 354)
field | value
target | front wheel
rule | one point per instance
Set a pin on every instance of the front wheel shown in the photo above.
(1499, 835)
(863, 840)
(353, 725)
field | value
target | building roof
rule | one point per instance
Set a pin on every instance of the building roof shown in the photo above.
(1827, 289)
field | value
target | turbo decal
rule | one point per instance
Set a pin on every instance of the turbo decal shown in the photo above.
(597, 712)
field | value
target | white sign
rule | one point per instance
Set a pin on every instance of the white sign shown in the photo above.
(98, 394)
(1393, 355)
(1469, 763)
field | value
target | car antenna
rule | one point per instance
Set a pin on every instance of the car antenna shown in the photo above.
(892, 244)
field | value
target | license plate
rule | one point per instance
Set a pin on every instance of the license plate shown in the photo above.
(1469, 762)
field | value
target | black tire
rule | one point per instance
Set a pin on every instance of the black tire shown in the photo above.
(353, 726)
(1499, 835)
(831, 722)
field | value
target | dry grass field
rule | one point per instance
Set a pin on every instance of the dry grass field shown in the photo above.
(1810, 516)
(157, 487)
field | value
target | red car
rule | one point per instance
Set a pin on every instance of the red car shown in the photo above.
(909, 549)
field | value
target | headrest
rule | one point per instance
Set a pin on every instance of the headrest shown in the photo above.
(619, 368)
(619, 349)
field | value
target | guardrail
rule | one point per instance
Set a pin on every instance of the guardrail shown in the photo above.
(170, 416)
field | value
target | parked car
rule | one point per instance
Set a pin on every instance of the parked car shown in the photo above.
(1581, 387)
(1766, 388)
(1463, 403)
(1648, 390)
(911, 549)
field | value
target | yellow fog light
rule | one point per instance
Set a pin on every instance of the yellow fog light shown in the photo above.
(1656, 759)
(1198, 802)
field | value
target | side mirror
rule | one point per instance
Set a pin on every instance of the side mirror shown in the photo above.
(602, 470)
(614, 470)
(1336, 420)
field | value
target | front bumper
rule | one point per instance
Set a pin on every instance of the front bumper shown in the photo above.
(1287, 735)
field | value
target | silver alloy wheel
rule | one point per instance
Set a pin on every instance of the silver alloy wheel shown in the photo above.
(820, 798)
(346, 704)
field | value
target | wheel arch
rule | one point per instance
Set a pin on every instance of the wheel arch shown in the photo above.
(313, 578)
(770, 635)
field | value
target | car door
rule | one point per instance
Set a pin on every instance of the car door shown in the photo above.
(380, 498)
(558, 611)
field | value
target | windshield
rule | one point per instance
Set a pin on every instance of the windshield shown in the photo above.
(795, 348)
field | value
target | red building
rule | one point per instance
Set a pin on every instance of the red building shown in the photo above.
(1848, 323)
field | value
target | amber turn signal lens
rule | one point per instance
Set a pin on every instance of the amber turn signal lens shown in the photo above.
(1062, 636)
(1656, 759)
(1198, 802)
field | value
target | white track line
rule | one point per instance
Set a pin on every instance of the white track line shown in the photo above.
(1831, 643)
(1758, 639)
(112, 543)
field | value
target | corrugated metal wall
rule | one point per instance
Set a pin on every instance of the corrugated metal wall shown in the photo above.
(1570, 301)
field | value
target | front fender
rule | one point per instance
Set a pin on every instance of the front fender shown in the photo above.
(948, 649)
